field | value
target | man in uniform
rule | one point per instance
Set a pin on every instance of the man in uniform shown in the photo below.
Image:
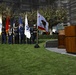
(34, 33)
(16, 35)
(21, 31)
(31, 32)
(3, 35)
(10, 35)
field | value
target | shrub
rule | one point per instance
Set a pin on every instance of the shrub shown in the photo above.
(54, 36)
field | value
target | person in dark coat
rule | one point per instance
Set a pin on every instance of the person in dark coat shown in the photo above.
(21, 31)
(34, 33)
(16, 35)
(3, 35)
(10, 35)
(31, 32)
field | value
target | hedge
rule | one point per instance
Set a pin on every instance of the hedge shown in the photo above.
(54, 36)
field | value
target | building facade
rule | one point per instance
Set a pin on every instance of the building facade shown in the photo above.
(70, 6)
(72, 10)
(63, 4)
(26, 5)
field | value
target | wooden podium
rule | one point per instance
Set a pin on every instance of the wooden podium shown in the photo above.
(61, 39)
(70, 39)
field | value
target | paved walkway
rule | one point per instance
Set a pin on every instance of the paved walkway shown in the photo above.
(61, 51)
(53, 46)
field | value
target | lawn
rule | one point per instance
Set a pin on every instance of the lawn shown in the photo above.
(24, 59)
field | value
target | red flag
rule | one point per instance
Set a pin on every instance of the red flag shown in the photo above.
(7, 24)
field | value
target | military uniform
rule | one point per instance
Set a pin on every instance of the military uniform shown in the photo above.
(21, 31)
(34, 34)
(3, 35)
(16, 35)
(31, 32)
(10, 36)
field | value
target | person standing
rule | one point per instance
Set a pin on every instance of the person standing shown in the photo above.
(10, 35)
(34, 33)
(16, 35)
(3, 35)
(21, 31)
(16, 32)
(31, 32)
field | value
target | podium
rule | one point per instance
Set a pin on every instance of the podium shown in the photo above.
(61, 39)
(70, 39)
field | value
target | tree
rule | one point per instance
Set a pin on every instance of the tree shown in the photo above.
(32, 17)
(5, 10)
(54, 16)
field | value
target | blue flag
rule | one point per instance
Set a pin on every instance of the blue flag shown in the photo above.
(20, 20)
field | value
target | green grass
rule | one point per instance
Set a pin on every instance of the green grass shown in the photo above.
(26, 60)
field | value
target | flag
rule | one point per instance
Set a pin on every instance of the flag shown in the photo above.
(0, 24)
(42, 24)
(20, 21)
(7, 24)
(27, 29)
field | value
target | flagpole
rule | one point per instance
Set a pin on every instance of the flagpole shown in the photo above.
(37, 35)
(36, 45)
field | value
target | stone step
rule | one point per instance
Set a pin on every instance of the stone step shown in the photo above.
(53, 43)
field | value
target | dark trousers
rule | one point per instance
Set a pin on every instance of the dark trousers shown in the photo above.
(22, 38)
(3, 38)
(10, 39)
(34, 38)
(16, 39)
